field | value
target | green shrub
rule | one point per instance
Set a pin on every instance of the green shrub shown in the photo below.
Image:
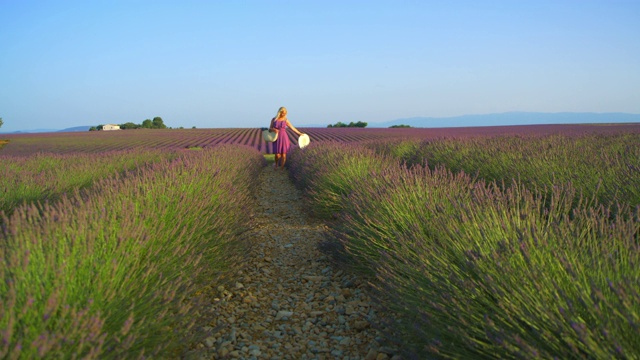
(45, 176)
(112, 271)
(477, 270)
(605, 168)
(331, 171)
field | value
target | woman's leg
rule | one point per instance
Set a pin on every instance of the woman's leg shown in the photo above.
(275, 165)
(283, 158)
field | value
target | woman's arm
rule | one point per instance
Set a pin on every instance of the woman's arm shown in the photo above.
(293, 128)
(271, 128)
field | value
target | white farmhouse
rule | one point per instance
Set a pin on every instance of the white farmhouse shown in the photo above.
(110, 127)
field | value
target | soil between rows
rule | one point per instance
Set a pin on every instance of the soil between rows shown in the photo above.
(290, 300)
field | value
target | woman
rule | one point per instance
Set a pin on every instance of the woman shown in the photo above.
(282, 144)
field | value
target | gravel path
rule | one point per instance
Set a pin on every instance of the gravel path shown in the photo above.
(290, 301)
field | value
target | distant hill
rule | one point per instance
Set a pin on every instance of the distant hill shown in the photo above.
(29, 131)
(76, 128)
(513, 118)
(71, 129)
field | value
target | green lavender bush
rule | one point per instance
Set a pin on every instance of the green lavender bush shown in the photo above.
(601, 167)
(478, 270)
(339, 167)
(112, 271)
(45, 176)
(493, 273)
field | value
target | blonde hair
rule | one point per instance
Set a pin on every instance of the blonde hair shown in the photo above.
(282, 109)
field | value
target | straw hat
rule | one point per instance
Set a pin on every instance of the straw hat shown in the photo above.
(303, 140)
(269, 136)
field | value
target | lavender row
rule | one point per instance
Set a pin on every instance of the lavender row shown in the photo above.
(45, 176)
(113, 271)
(605, 167)
(478, 270)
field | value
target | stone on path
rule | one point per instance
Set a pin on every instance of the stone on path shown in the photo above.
(288, 301)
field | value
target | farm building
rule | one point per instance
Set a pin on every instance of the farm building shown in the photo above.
(111, 127)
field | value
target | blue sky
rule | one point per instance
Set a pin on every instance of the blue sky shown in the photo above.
(233, 63)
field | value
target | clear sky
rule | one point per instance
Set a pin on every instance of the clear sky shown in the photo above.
(233, 63)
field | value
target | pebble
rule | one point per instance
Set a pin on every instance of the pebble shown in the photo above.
(290, 302)
(282, 314)
(210, 341)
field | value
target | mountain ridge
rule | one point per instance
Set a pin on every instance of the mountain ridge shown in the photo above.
(506, 119)
(33, 131)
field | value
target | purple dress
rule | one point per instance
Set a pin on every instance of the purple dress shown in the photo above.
(282, 143)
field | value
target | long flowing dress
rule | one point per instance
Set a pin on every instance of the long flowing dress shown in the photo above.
(282, 143)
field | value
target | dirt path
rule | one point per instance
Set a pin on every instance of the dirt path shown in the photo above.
(289, 301)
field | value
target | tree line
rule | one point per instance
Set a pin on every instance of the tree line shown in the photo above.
(156, 123)
(339, 124)
(360, 124)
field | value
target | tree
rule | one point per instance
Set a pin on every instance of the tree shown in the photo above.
(1, 122)
(359, 124)
(129, 125)
(158, 123)
(147, 124)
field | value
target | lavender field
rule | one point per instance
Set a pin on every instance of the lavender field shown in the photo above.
(178, 139)
(507, 242)
(103, 254)
(534, 254)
